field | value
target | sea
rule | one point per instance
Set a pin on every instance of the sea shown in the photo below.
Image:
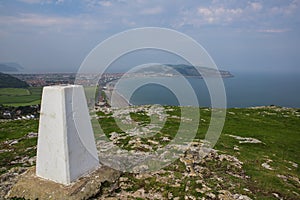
(245, 89)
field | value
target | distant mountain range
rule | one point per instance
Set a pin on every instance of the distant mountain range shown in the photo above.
(10, 67)
(8, 81)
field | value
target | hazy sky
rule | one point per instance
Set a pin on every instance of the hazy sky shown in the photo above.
(56, 35)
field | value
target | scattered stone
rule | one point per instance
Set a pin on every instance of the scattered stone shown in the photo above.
(282, 177)
(245, 139)
(294, 164)
(236, 148)
(170, 195)
(241, 197)
(226, 195)
(32, 160)
(32, 135)
(140, 169)
(8, 179)
(165, 139)
(233, 160)
(114, 136)
(123, 179)
(5, 150)
(194, 162)
(277, 196)
(295, 193)
(153, 142)
(204, 189)
(246, 189)
(13, 142)
(296, 179)
(211, 195)
(266, 165)
(139, 193)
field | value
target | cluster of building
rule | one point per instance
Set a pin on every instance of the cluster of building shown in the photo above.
(39, 80)
(21, 112)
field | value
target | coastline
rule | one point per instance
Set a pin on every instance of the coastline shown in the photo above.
(118, 99)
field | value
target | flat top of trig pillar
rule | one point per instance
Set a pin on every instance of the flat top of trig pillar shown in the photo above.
(63, 86)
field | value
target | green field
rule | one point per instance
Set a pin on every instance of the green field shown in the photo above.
(278, 129)
(31, 96)
(14, 92)
(20, 97)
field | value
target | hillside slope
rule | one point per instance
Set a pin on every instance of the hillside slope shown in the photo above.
(8, 81)
(256, 157)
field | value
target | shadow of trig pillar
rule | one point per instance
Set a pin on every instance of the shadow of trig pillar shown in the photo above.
(66, 145)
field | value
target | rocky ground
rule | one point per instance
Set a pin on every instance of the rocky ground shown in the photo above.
(256, 157)
(190, 175)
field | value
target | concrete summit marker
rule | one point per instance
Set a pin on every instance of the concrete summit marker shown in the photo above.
(67, 165)
(66, 150)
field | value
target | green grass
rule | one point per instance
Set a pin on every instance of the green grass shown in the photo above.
(278, 129)
(32, 96)
(91, 91)
(140, 117)
(280, 134)
(12, 130)
(20, 97)
(14, 92)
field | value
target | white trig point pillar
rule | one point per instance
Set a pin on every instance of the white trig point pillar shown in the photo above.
(66, 145)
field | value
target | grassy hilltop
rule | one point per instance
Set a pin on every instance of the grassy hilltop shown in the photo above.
(257, 155)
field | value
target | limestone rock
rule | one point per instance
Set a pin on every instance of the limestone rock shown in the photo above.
(102, 181)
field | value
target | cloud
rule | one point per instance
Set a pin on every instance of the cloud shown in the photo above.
(128, 23)
(98, 3)
(218, 15)
(152, 11)
(289, 9)
(105, 3)
(42, 1)
(32, 1)
(37, 23)
(36, 20)
(246, 16)
(256, 6)
(82, 23)
(119, 14)
(273, 30)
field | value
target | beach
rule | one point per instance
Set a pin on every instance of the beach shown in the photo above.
(114, 98)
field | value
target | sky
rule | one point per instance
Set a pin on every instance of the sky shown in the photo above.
(240, 35)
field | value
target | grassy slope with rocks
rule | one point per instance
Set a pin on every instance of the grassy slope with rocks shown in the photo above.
(257, 155)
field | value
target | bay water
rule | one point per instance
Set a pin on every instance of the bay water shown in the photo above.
(245, 89)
